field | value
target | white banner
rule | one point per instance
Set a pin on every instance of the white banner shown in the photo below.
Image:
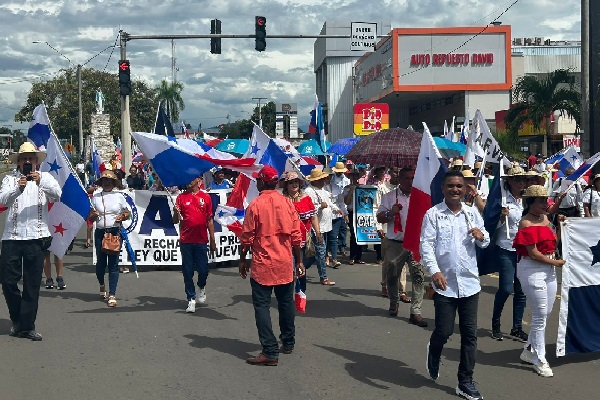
(155, 238)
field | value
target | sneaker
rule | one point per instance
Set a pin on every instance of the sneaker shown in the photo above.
(468, 390)
(60, 283)
(527, 357)
(201, 299)
(433, 365)
(543, 369)
(14, 330)
(497, 333)
(191, 306)
(518, 335)
(31, 335)
(50, 283)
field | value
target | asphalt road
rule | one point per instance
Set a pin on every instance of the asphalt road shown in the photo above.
(347, 347)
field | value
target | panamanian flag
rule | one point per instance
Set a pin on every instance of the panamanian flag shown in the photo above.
(578, 329)
(426, 191)
(67, 216)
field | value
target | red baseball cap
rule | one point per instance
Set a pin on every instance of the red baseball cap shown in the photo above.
(267, 174)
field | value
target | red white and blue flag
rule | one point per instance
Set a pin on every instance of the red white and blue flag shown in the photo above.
(426, 191)
(317, 124)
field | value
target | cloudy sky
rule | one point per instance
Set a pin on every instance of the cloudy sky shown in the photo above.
(218, 85)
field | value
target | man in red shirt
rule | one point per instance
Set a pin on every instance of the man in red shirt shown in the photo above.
(271, 229)
(193, 209)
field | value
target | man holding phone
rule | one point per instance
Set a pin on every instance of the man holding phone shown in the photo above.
(26, 192)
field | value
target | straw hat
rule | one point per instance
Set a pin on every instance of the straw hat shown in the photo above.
(516, 171)
(536, 191)
(107, 174)
(27, 147)
(477, 165)
(457, 162)
(467, 173)
(316, 174)
(339, 167)
(290, 176)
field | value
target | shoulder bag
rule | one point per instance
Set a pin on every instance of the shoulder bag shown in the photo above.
(111, 243)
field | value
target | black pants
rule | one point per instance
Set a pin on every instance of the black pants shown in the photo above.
(261, 298)
(445, 314)
(22, 258)
(355, 249)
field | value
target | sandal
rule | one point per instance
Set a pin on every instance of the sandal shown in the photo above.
(336, 264)
(112, 301)
(103, 292)
(404, 298)
(327, 282)
(351, 262)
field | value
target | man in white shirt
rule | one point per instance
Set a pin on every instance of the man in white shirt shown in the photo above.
(449, 234)
(571, 201)
(393, 211)
(26, 192)
(339, 181)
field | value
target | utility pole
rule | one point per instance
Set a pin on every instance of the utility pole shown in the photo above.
(258, 99)
(80, 111)
(585, 136)
(125, 126)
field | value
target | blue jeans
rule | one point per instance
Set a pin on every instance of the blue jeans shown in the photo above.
(261, 299)
(319, 257)
(194, 257)
(104, 260)
(507, 264)
(445, 314)
(332, 237)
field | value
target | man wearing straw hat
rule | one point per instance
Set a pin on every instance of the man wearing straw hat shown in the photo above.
(26, 192)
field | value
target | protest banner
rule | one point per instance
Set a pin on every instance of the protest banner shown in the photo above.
(155, 238)
(364, 216)
(578, 329)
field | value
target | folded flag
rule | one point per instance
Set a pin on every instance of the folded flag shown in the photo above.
(300, 298)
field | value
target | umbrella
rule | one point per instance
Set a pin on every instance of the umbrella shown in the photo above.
(343, 146)
(311, 148)
(396, 147)
(129, 249)
(237, 146)
(449, 149)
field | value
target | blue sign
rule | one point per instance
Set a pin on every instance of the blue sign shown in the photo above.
(365, 223)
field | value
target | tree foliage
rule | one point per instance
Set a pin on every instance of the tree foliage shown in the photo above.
(170, 95)
(509, 143)
(60, 97)
(538, 99)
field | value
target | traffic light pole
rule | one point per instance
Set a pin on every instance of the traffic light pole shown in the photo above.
(80, 112)
(125, 123)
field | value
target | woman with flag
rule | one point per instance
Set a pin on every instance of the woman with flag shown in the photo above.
(535, 245)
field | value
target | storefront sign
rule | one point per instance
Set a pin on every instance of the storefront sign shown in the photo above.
(364, 36)
(572, 140)
(371, 117)
(364, 216)
(420, 60)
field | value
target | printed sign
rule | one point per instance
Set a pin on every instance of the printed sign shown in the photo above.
(155, 238)
(569, 140)
(364, 36)
(364, 216)
(371, 117)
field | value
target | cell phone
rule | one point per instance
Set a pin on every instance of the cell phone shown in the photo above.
(27, 168)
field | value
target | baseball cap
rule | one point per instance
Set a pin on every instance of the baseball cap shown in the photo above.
(266, 174)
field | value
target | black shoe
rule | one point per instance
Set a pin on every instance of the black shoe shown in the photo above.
(49, 283)
(468, 391)
(14, 330)
(433, 365)
(497, 333)
(519, 335)
(60, 283)
(286, 349)
(393, 309)
(31, 335)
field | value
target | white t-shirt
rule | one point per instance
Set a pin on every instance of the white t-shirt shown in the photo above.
(115, 204)
(592, 197)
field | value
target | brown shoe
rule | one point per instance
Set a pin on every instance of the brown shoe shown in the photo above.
(286, 350)
(393, 309)
(404, 298)
(417, 320)
(384, 292)
(261, 359)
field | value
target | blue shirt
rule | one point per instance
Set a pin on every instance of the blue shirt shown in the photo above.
(446, 247)
(215, 186)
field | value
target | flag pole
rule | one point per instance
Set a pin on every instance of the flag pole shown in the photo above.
(156, 119)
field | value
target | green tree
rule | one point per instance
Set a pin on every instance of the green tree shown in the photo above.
(60, 96)
(538, 99)
(170, 94)
(509, 143)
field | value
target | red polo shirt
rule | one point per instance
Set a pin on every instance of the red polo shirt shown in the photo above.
(196, 211)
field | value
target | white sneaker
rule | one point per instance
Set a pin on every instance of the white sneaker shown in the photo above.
(191, 306)
(201, 298)
(527, 357)
(543, 369)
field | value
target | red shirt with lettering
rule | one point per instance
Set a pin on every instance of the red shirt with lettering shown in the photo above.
(196, 212)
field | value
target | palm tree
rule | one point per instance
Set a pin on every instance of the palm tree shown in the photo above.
(170, 94)
(537, 100)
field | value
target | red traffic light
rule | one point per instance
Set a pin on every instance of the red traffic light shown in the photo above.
(261, 21)
(124, 65)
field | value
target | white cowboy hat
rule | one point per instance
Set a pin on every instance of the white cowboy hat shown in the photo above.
(27, 147)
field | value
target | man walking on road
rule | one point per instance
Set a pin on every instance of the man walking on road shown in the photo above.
(272, 229)
(193, 209)
(449, 234)
(26, 192)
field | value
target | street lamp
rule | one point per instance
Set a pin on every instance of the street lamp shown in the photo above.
(78, 66)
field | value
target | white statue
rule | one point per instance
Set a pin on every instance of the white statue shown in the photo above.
(99, 101)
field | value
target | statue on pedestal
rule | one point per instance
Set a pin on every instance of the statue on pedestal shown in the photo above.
(99, 101)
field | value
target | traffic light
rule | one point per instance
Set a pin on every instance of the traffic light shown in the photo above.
(215, 43)
(260, 33)
(124, 78)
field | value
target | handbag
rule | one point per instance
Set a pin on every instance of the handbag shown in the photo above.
(309, 247)
(111, 243)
